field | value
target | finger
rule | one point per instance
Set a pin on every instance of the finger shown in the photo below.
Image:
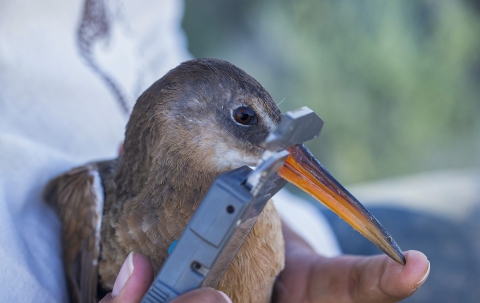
(133, 280)
(203, 295)
(308, 277)
(369, 279)
(388, 278)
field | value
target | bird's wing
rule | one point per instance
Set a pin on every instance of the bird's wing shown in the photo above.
(78, 197)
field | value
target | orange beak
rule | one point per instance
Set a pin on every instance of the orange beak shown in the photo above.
(303, 170)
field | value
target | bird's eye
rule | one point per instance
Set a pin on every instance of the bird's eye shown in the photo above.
(245, 115)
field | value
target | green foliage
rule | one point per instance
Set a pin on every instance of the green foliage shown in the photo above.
(397, 82)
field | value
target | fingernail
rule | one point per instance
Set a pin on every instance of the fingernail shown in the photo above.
(225, 296)
(125, 272)
(425, 276)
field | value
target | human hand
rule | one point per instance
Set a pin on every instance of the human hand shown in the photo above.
(135, 278)
(308, 277)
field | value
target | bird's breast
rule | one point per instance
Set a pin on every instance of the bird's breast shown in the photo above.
(248, 279)
(252, 273)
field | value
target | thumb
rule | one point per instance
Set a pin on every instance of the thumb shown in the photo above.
(132, 281)
(135, 278)
(203, 295)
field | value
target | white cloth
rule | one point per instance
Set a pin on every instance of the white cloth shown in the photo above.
(56, 113)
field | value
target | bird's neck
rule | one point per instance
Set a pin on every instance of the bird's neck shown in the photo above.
(163, 183)
(156, 206)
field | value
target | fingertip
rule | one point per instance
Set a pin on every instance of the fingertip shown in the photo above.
(402, 281)
(203, 295)
(143, 267)
(224, 295)
(424, 278)
(125, 273)
(107, 299)
(142, 275)
(418, 268)
(138, 283)
(415, 256)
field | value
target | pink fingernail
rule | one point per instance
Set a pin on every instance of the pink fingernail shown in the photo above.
(225, 296)
(425, 276)
(125, 272)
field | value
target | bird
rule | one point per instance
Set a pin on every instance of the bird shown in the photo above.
(203, 118)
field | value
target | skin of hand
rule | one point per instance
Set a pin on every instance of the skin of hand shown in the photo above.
(308, 277)
(135, 278)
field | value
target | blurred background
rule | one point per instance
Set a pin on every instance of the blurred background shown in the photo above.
(398, 86)
(397, 82)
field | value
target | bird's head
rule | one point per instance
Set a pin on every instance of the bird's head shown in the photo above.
(206, 117)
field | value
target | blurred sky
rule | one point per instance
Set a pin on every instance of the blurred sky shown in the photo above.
(397, 82)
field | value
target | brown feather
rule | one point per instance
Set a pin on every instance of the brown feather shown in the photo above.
(251, 275)
(73, 197)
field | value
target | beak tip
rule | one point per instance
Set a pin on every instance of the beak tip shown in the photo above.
(400, 259)
(396, 253)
